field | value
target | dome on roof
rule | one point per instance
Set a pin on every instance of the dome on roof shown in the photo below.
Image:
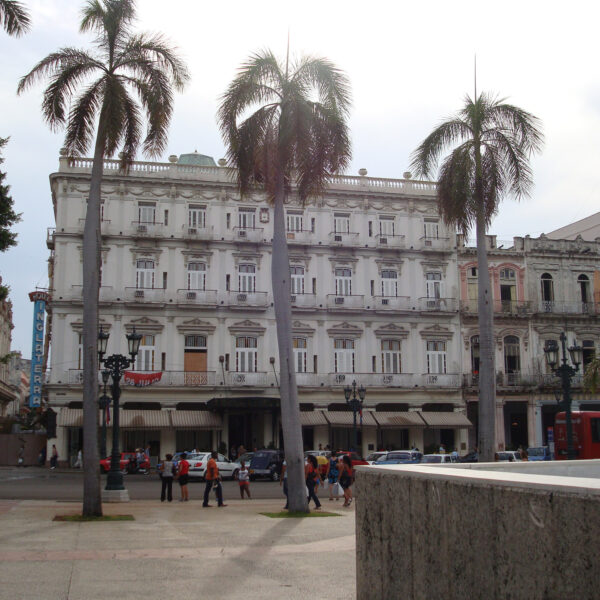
(197, 159)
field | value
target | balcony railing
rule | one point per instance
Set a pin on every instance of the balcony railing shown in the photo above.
(574, 308)
(257, 378)
(549, 380)
(437, 304)
(50, 233)
(240, 299)
(517, 379)
(106, 293)
(391, 303)
(197, 297)
(390, 241)
(337, 238)
(305, 236)
(248, 234)
(345, 302)
(438, 243)
(134, 294)
(507, 307)
(168, 378)
(304, 300)
(144, 229)
(402, 380)
(197, 233)
(439, 380)
(104, 226)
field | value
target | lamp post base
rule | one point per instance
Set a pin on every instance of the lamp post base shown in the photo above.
(114, 481)
(115, 496)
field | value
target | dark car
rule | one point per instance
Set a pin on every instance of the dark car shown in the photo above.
(471, 457)
(401, 457)
(266, 463)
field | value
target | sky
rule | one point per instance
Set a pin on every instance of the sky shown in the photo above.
(410, 66)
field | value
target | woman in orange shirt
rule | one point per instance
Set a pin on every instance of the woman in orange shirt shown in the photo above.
(183, 467)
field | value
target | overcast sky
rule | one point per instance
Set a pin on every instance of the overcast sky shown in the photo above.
(410, 66)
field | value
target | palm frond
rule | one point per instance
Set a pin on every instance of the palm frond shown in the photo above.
(14, 17)
(111, 20)
(132, 131)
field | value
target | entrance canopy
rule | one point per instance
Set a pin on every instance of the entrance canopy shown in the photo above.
(398, 419)
(446, 419)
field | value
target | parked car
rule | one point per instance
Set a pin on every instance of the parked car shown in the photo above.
(539, 453)
(266, 463)
(439, 458)
(373, 457)
(354, 457)
(199, 460)
(126, 458)
(246, 457)
(471, 457)
(508, 455)
(401, 457)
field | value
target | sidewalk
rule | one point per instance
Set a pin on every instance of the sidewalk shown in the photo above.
(177, 550)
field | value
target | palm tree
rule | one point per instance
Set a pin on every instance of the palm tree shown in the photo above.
(491, 145)
(122, 67)
(278, 137)
(14, 17)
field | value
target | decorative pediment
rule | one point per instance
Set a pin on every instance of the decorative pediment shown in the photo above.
(144, 325)
(77, 326)
(429, 266)
(247, 257)
(345, 329)
(247, 326)
(302, 328)
(196, 254)
(522, 334)
(142, 251)
(196, 326)
(391, 330)
(436, 332)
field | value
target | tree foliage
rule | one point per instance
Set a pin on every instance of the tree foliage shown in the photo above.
(8, 216)
(14, 17)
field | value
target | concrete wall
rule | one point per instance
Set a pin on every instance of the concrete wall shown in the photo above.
(11, 442)
(432, 535)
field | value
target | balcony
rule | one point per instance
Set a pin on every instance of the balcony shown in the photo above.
(237, 299)
(304, 300)
(197, 297)
(147, 230)
(50, 233)
(399, 380)
(337, 302)
(248, 234)
(305, 236)
(573, 308)
(337, 238)
(391, 303)
(257, 378)
(134, 294)
(438, 380)
(390, 241)
(168, 379)
(197, 233)
(438, 243)
(106, 293)
(512, 380)
(437, 304)
(550, 380)
(104, 226)
(501, 307)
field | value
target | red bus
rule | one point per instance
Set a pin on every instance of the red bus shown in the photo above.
(586, 435)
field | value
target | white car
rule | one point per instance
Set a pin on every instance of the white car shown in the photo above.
(199, 460)
(439, 458)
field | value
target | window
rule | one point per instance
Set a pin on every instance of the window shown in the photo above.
(508, 289)
(512, 359)
(79, 350)
(300, 354)
(341, 223)
(246, 355)
(144, 361)
(294, 221)
(434, 285)
(195, 342)
(391, 361)
(389, 283)
(595, 426)
(144, 276)
(386, 226)
(146, 212)
(196, 216)
(343, 282)
(475, 355)
(297, 280)
(472, 285)
(343, 355)
(247, 278)
(436, 357)
(166, 217)
(431, 228)
(589, 352)
(196, 278)
(584, 290)
(547, 291)
(246, 218)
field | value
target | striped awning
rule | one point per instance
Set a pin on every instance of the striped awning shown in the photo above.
(312, 417)
(446, 419)
(344, 419)
(70, 417)
(144, 419)
(196, 419)
(390, 420)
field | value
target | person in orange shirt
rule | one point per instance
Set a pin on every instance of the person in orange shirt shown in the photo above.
(213, 479)
(183, 467)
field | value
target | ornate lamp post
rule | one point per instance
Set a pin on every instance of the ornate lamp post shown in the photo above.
(355, 405)
(103, 403)
(565, 372)
(115, 365)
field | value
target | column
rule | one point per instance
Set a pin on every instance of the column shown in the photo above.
(167, 442)
(500, 437)
(533, 414)
(415, 438)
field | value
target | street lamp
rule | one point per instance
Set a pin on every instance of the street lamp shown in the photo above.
(115, 365)
(355, 405)
(565, 372)
(103, 403)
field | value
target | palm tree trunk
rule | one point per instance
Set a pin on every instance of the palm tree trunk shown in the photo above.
(288, 391)
(92, 498)
(487, 369)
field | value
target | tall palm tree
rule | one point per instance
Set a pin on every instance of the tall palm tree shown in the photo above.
(491, 144)
(104, 85)
(14, 17)
(280, 139)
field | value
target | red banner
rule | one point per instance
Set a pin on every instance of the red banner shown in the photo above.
(141, 379)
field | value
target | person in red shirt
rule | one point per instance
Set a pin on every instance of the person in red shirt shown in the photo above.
(183, 468)
(213, 479)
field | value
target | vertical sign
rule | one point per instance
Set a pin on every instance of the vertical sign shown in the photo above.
(36, 378)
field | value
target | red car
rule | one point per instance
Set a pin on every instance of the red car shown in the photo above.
(355, 458)
(125, 458)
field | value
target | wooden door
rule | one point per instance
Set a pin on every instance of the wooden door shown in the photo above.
(194, 365)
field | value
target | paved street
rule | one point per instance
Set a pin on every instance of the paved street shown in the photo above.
(33, 483)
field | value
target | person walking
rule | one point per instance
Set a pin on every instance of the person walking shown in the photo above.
(244, 480)
(183, 468)
(213, 480)
(53, 458)
(346, 478)
(79, 460)
(166, 476)
(21, 456)
(332, 474)
(283, 480)
(311, 473)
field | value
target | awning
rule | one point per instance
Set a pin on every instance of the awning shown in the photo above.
(446, 419)
(144, 419)
(71, 417)
(344, 418)
(312, 417)
(398, 419)
(196, 419)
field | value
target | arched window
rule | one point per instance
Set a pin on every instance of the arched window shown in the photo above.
(512, 358)
(547, 292)
(584, 290)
